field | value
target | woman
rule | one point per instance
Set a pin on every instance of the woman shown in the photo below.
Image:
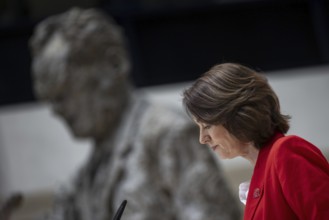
(238, 114)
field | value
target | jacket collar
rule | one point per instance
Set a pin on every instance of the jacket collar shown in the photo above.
(256, 187)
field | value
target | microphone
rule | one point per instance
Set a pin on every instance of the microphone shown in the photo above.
(120, 210)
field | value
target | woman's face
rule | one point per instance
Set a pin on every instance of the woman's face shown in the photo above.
(225, 145)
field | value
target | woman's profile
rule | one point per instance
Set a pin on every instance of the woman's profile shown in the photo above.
(238, 115)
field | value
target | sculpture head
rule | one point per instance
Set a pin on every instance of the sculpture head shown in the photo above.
(80, 65)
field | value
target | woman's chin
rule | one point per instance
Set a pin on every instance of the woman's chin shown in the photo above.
(222, 155)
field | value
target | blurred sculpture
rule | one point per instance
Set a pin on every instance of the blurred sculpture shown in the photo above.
(144, 153)
(10, 205)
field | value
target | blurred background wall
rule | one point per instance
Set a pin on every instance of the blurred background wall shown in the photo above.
(176, 40)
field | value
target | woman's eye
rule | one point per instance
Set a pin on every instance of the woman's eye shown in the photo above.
(206, 126)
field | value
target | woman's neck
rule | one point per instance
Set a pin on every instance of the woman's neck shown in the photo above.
(251, 154)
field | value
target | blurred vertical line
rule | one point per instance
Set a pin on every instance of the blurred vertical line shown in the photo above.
(2, 166)
(320, 16)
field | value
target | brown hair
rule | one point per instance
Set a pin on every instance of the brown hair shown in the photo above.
(238, 98)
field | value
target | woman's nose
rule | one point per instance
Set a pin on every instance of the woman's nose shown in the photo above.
(203, 138)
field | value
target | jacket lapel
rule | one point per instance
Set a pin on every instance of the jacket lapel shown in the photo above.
(255, 194)
(256, 188)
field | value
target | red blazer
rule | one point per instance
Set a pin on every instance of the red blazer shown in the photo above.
(290, 181)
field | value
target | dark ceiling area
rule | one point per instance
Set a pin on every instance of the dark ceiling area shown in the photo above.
(176, 41)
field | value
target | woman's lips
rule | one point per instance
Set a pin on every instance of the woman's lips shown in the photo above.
(214, 147)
